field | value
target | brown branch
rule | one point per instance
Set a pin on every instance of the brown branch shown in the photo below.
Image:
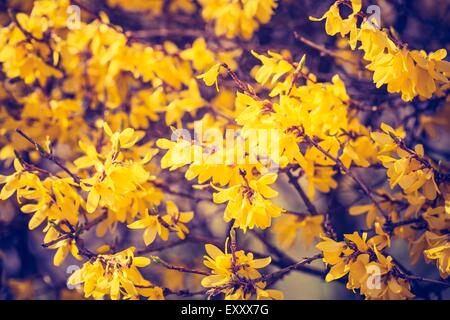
(274, 276)
(164, 32)
(245, 87)
(28, 35)
(284, 260)
(183, 293)
(167, 189)
(365, 16)
(309, 205)
(177, 268)
(31, 167)
(75, 234)
(48, 155)
(390, 226)
(156, 248)
(323, 50)
(349, 173)
(403, 273)
(301, 215)
(428, 280)
(53, 242)
(95, 221)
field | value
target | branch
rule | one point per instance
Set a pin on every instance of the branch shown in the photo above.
(274, 276)
(284, 260)
(95, 221)
(247, 88)
(390, 226)
(349, 173)
(178, 268)
(53, 242)
(49, 156)
(423, 279)
(309, 205)
(28, 35)
(183, 293)
(323, 50)
(179, 193)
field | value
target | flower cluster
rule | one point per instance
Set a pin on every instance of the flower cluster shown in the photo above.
(236, 276)
(409, 72)
(237, 18)
(369, 271)
(116, 275)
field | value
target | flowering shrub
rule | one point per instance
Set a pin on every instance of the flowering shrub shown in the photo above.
(138, 146)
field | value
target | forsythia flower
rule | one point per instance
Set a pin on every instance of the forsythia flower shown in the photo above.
(115, 177)
(368, 269)
(235, 275)
(411, 171)
(435, 248)
(63, 248)
(335, 24)
(390, 203)
(274, 67)
(440, 252)
(248, 203)
(210, 77)
(55, 198)
(114, 275)
(162, 224)
(411, 73)
(199, 54)
(233, 18)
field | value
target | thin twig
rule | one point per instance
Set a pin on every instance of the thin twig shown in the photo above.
(274, 276)
(323, 50)
(183, 293)
(349, 173)
(167, 265)
(309, 205)
(48, 155)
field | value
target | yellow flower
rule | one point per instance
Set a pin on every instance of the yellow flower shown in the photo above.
(161, 224)
(368, 269)
(154, 293)
(122, 139)
(411, 171)
(332, 250)
(439, 250)
(233, 18)
(116, 178)
(231, 274)
(14, 181)
(176, 220)
(210, 76)
(272, 67)
(179, 153)
(411, 73)
(248, 204)
(63, 248)
(115, 275)
(335, 24)
(151, 226)
(201, 57)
